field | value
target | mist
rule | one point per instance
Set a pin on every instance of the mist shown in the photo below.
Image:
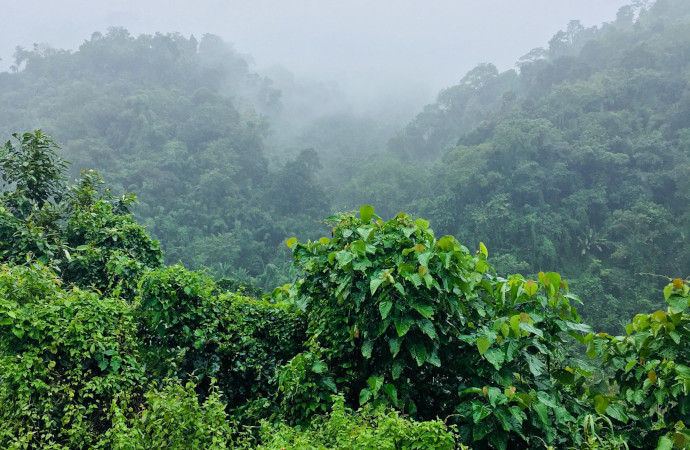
(376, 52)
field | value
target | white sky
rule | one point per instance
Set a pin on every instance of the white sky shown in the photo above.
(366, 46)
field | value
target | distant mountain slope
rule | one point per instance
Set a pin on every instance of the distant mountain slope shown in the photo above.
(579, 162)
(177, 121)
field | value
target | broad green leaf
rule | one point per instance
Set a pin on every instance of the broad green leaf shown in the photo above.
(617, 411)
(547, 399)
(664, 443)
(601, 403)
(344, 258)
(433, 359)
(516, 412)
(19, 332)
(515, 324)
(578, 326)
(483, 345)
(479, 411)
(115, 363)
(427, 328)
(375, 283)
(530, 287)
(359, 247)
(554, 280)
(394, 345)
(531, 328)
(446, 243)
(418, 352)
(630, 365)
(542, 411)
(397, 368)
(536, 366)
(391, 392)
(375, 384)
(324, 241)
(496, 357)
(329, 384)
(425, 310)
(422, 224)
(677, 304)
(400, 289)
(504, 418)
(385, 308)
(290, 242)
(319, 367)
(513, 349)
(407, 231)
(402, 325)
(366, 233)
(524, 400)
(364, 396)
(483, 250)
(423, 259)
(367, 348)
(366, 212)
(494, 394)
(563, 416)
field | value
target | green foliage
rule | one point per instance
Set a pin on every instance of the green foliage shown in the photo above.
(390, 307)
(191, 332)
(170, 417)
(34, 169)
(379, 428)
(651, 367)
(109, 249)
(85, 234)
(64, 355)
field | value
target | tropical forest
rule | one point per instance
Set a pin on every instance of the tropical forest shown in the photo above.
(191, 257)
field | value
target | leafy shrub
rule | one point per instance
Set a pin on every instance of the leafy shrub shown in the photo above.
(368, 428)
(80, 230)
(191, 331)
(651, 366)
(171, 417)
(64, 354)
(397, 316)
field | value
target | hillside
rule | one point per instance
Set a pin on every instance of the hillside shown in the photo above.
(577, 160)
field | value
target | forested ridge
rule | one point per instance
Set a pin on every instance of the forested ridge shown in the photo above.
(131, 321)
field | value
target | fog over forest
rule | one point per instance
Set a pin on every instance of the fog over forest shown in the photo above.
(458, 225)
(400, 51)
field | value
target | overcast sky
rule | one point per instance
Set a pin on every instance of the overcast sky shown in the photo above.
(364, 45)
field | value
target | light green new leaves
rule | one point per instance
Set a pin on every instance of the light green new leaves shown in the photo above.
(483, 345)
(366, 212)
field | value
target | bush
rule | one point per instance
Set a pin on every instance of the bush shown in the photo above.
(368, 428)
(399, 317)
(64, 354)
(191, 332)
(171, 417)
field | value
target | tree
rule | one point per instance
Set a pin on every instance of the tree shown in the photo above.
(34, 169)
(390, 308)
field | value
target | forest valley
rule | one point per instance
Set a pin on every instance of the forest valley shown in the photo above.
(381, 333)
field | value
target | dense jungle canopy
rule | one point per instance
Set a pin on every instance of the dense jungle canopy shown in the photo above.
(166, 294)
